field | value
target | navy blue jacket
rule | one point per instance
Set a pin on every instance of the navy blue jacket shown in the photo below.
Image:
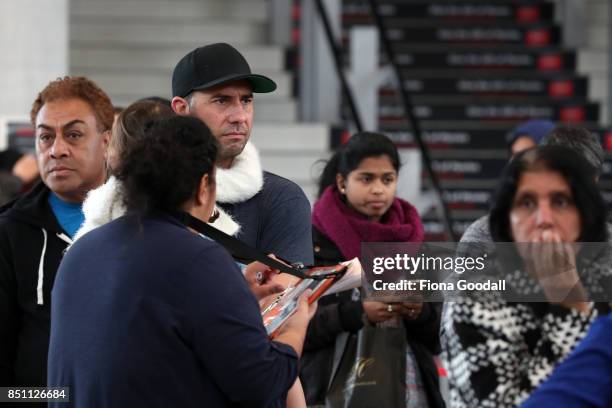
(583, 379)
(146, 313)
(276, 220)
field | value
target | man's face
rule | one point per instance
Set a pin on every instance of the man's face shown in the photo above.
(228, 111)
(70, 148)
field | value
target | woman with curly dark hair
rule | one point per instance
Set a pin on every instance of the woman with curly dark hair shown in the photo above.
(147, 312)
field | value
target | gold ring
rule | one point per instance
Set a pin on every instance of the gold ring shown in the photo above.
(390, 308)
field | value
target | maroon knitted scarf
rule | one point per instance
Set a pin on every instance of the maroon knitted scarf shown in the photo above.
(348, 229)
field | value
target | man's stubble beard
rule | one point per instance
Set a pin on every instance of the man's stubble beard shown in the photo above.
(227, 153)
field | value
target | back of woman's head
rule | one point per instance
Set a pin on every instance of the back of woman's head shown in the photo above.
(575, 170)
(163, 170)
(359, 147)
(132, 124)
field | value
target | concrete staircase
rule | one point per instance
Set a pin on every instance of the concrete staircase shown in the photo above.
(476, 69)
(129, 47)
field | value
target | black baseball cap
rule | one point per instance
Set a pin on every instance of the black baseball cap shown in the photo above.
(214, 65)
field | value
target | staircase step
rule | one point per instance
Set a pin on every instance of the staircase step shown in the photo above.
(480, 172)
(297, 167)
(597, 11)
(561, 87)
(293, 151)
(485, 74)
(577, 112)
(450, 141)
(447, 99)
(130, 84)
(245, 10)
(446, 11)
(298, 137)
(591, 61)
(598, 89)
(483, 35)
(474, 184)
(489, 59)
(164, 32)
(159, 57)
(597, 37)
(473, 169)
(280, 110)
(467, 199)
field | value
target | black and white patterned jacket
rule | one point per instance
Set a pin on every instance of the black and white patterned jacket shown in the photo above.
(497, 352)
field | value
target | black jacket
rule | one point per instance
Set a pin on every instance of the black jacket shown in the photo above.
(31, 247)
(343, 313)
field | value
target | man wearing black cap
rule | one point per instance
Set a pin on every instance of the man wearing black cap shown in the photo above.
(215, 84)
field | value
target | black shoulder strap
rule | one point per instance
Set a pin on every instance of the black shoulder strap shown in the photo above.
(238, 249)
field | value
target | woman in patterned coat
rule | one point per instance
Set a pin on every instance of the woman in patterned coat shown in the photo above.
(497, 351)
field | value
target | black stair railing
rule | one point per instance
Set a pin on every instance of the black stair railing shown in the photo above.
(413, 120)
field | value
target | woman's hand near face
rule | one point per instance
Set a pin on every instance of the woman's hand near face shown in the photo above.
(553, 263)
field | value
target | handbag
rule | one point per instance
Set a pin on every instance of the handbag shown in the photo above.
(372, 370)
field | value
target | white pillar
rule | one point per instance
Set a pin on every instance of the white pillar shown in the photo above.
(365, 76)
(320, 89)
(33, 50)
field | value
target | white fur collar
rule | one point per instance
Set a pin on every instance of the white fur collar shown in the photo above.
(225, 223)
(105, 204)
(102, 205)
(241, 181)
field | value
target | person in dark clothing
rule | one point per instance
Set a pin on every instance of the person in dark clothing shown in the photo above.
(148, 313)
(18, 173)
(72, 117)
(357, 204)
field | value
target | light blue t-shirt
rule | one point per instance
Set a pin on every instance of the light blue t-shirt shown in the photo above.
(69, 215)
